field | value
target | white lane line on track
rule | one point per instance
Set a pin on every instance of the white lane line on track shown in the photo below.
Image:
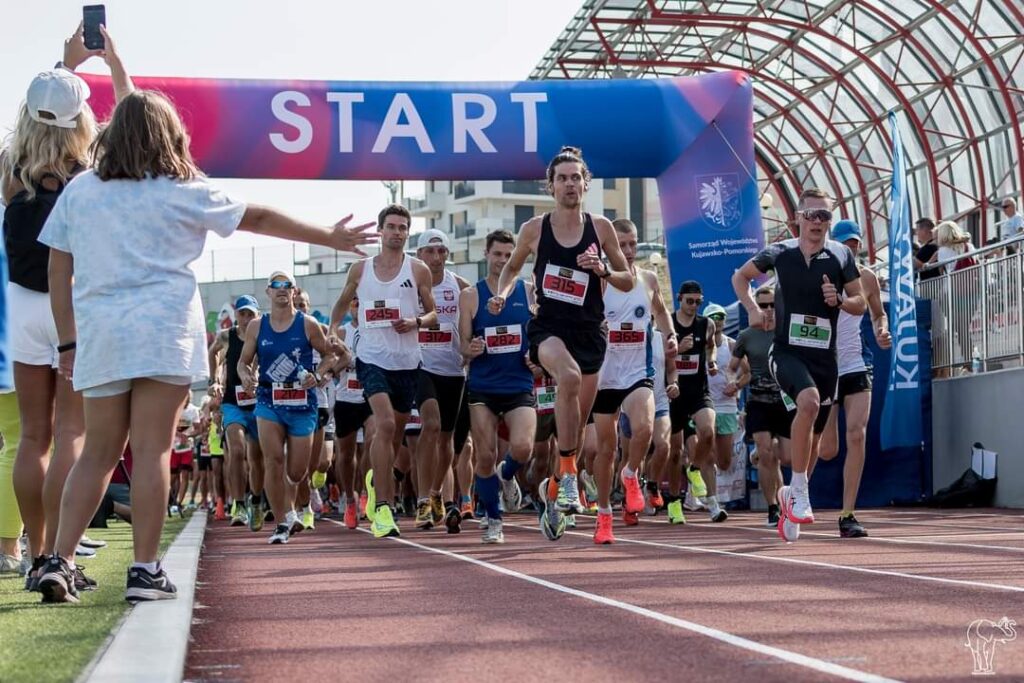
(868, 539)
(938, 523)
(713, 633)
(795, 560)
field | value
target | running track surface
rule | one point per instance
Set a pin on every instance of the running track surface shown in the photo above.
(722, 602)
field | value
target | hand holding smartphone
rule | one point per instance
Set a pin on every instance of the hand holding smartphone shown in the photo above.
(93, 16)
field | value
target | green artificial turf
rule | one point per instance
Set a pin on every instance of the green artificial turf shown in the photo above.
(43, 643)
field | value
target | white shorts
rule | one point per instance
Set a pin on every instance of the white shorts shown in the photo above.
(30, 327)
(123, 386)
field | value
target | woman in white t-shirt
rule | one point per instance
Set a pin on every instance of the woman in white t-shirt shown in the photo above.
(952, 241)
(129, 318)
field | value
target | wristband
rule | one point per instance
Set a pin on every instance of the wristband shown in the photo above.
(607, 273)
(418, 323)
(66, 347)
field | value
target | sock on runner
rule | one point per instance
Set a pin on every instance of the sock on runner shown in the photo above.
(487, 493)
(151, 567)
(799, 480)
(509, 467)
(567, 462)
(628, 472)
(604, 511)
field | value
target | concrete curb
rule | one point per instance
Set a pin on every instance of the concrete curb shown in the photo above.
(151, 642)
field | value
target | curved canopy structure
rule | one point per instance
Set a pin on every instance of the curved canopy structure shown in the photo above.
(826, 73)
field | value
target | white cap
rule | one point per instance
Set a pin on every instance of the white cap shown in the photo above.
(56, 98)
(280, 273)
(433, 238)
(190, 413)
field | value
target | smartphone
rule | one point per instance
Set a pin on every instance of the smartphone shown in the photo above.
(92, 17)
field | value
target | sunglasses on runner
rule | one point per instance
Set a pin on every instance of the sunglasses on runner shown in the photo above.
(765, 306)
(693, 302)
(820, 215)
(281, 284)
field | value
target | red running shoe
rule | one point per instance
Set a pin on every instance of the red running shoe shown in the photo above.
(630, 518)
(219, 514)
(603, 531)
(656, 500)
(634, 502)
(351, 515)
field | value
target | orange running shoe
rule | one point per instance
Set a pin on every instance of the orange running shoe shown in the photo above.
(351, 515)
(634, 502)
(219, 515)
(467, 510)
(603, 531)
(630, 518)
(334, 495)
(656, 500)
(362, 506)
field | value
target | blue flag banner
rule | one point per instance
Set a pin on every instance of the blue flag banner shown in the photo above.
(901, 416)
(694, 134)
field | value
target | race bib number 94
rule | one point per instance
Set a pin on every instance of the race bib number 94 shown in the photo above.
(809, 331)
(503, 338)
(381, 313)
(565, 284)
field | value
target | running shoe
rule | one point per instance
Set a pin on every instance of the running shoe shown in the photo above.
(603, 531)
(849, 527)
(801, 512)
(383, 524)
(788, 530)
(656, 500)
(82, 551)
(363, 500)
(697, 486)
(254, 514)
(9, 564)
(467, 509)
(715, 511)
(370, 504)
(773, 515)
(308, 519)
(91, 543)
(649, 508)
(315, 501)
(570, 521)
(191, 507)
(453, 519)
(57, 581)
(399, 508)
(291, 519)
(693, 504)
(634, 494)
(589, 485)
(280, 535)
(83, 582)
(552, 521)
(493, 533)
(238, 515)
(351, 515)
(334, 495)
(318, 480)
(143, 586)
(33, 573)
(569, 495)
(424, 516)
(219, 511)
(630, 518)
(436, 510)
(511, 494)
(675, 512)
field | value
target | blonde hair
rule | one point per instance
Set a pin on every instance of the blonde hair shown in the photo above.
(144, 139)
(948, 233)
(36, 150)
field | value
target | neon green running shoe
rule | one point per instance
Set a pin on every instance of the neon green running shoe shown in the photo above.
(308, 520)
(697, 486)
(371, 497)
(675, 512)
(383, 524)
(318, 480)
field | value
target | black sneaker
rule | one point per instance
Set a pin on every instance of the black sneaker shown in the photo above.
(57, 581)
(32, 577)
(453, 520)
(83, 582)
(773, 516)
(849, 527)
(143, 586)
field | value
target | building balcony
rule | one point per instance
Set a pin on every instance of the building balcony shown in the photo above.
(531, 187)
(466, 188)
(430, 205)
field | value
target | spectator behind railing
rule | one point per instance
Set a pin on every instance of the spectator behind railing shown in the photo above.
(1013, 225)
(927, 250)
(952, 242)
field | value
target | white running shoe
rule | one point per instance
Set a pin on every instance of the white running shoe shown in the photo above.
(82, 551)
(280, 535)
(715, 511)
(511, 494)
(788, 531)
(801, 512)
(294, 522)
(568, 500)
(493, 533)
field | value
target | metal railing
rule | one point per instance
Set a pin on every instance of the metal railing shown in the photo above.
(466, 188)
(978, 311)
(524, 187)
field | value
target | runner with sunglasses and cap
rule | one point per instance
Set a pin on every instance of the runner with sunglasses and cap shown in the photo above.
(817, 278)
(724, 387)
(854, 395)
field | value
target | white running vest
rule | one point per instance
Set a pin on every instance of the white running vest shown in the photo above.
(381, 303)
(716, 384)
(349, 390)
(658, 359)
(628, 357)
(849, 347)
(440, 347)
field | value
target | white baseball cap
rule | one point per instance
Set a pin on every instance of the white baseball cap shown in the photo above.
(433, 238)
(56, 98)
(280, 273)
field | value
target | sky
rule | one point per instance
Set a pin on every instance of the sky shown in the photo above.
(394, 40)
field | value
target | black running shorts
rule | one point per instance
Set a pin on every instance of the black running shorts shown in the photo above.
(585, 344)
(796, 371)
(768, 417)
(608, 401)
(349, 417)
(682, 409)
(499, 404)
(853, 383)
(545, 428)
(447, 391)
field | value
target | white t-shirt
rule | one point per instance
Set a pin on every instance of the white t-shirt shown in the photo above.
(137, 305)
(949, 252)
(1011, 226)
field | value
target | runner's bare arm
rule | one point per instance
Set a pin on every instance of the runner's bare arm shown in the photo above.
(660, 312)
(264, 220)
(529, 236)
(712, 348)
(853, 303)
(219, 345)
(247, 359)
(468, 306)
(531, 297)
(741, 280)
(347, 294)
(329, 355)
(617, 271)
(873, 294)
(425, 289)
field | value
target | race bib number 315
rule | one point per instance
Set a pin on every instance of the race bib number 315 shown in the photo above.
(565, 284)
(809, 331)
(381, 313)
(503, 338)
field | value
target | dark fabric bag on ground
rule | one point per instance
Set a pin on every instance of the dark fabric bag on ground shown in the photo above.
(970, 490)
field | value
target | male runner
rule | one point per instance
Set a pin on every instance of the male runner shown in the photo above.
(391, 288)
(696, 360)
(816, 279)
(318, 461)
(854, 393)
(351, 414)
(239, 418)
(566, 337)
(500, 382)
(282, 343)
(626, 383)
(768, 417)
(723, 387)
(442, 379)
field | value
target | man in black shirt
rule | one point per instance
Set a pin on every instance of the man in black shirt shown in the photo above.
(816, 277)
(927, 250)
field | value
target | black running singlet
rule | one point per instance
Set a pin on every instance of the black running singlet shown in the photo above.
(231, 379)
(692, 363)
(567, 294)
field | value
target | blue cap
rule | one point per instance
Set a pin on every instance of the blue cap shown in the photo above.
(846, 230)
(246, 302)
